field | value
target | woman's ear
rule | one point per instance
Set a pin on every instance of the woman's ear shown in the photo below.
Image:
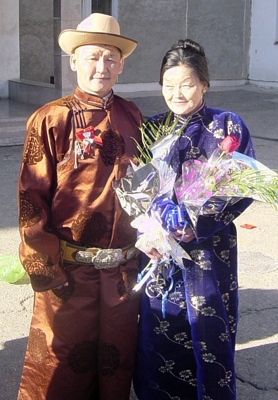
(205, 88)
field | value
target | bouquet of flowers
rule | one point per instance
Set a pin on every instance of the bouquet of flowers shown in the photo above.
(206, 186)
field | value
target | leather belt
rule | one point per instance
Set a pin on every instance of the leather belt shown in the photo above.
(99, 258)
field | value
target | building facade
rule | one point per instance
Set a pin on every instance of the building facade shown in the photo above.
(239, 37)
(263, 66)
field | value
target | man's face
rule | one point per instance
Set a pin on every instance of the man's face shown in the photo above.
(97, 67)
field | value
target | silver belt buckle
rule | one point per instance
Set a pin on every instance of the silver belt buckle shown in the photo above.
(108, 258)
(84, 256)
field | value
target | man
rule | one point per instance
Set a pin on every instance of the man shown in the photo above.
(77, 244)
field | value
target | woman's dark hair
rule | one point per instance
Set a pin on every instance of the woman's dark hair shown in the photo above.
(189, 53)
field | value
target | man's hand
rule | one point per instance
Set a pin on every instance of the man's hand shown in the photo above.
(60, 287)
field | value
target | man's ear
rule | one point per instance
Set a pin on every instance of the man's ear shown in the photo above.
(73, 62)
(122, 65)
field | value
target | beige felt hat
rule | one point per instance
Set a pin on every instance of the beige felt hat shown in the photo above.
(96, 29)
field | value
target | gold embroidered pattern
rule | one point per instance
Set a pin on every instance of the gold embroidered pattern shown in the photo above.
(34, 149)
(169, 365)
(89, 228)
(83, 357)
(40, 269)
(113, 147)
(37, 345)
(194, 152)
(126, 284)
(29, 211)
(109, 359)
(199, 257)
(124, 229)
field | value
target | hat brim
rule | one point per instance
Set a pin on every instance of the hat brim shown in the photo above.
(71, 39)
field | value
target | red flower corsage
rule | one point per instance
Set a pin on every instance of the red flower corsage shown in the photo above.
(85, 138)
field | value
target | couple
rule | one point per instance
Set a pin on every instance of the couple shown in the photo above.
(77, 244)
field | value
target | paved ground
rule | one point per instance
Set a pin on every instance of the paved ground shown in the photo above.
(257, 341)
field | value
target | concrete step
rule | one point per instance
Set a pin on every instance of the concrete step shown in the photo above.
(9, 125)
(17, 139)
(11, 120)
(12, 131)
(13, 116)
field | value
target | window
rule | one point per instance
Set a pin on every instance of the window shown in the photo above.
(276, 32)
(101, 6)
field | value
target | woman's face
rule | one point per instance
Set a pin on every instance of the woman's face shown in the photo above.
(182, 90)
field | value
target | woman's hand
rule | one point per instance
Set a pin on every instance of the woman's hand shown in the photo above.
(184, 235)
(154, 255)
(181, 235)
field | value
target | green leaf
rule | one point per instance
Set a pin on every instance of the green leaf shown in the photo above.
(151, 132)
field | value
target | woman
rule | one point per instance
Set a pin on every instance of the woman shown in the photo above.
(187, 332)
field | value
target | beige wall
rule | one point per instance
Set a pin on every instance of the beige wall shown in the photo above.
(9, 44)
(36, 32)
(221, 26)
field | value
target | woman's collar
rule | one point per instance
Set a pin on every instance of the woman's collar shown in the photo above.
(191, 118)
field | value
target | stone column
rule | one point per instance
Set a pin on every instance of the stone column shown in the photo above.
(67, 16)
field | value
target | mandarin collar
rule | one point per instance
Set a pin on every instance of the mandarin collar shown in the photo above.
(103, 103)
(192, 118)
